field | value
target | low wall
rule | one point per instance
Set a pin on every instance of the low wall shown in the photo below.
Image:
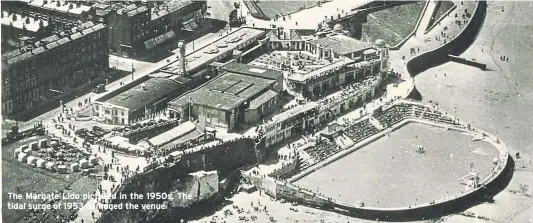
(400, 44)
(499, 175)
(255, 10)
(468, 62)
(456, 46)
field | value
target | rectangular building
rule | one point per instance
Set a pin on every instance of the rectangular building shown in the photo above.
(139, 102)
(138, 27)
(36, 73)
(231, 98)
(350, 60)
(241, 39)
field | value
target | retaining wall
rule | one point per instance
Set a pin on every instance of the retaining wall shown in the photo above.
(455, 47)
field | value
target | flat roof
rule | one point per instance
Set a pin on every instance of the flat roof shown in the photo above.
(208, 53)
(341, 44)
(226, 92)
(321, 71)
(136, 97)
(172, 134)
(295, 111)
(251, 70)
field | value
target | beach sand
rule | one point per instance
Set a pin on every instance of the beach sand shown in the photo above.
(499, 100)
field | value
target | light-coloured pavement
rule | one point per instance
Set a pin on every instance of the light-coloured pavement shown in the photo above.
(305, 19)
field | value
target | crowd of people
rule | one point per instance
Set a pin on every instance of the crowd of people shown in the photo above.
(361, 130)
(394, 114)
(350, 90)
(323, 149)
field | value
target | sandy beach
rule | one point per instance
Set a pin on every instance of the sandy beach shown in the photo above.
(499, 100)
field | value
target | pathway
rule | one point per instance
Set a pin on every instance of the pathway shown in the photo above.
(426, 18)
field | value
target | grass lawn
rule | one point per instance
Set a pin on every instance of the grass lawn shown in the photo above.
(271, 8)
(35, 180)
(390, 173)
(393, 24)
(442, 7)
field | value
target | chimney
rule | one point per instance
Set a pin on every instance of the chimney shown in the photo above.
(27, 20)
(181, 47)
(58, 4)
(15, 17)
(70, 6)
(78, 4)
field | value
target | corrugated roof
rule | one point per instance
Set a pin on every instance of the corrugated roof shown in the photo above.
(136, 97)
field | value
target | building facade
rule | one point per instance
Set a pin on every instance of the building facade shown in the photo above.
(40, 71)
(138, 27)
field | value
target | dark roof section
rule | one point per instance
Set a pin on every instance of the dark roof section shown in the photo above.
(342, 44)
(254, 71)
(262, 99)
(50, 42)
(226, 92)
(137, 97)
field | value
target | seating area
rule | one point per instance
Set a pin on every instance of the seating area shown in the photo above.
(323, 149)
(350, 91)
(361, 130)
(297, 61)
(399, 112)
(394, 115)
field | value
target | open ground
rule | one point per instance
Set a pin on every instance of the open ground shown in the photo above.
(22, 178)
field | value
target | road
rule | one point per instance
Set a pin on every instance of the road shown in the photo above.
(141, 69)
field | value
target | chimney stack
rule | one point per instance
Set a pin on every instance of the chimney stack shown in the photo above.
(181, 47)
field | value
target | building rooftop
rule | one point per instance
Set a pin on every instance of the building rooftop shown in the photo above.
(172, 134)
(226, 92)
(262, 99)
(168, 7)
(295, 111)
(60, 6)
(251, 70)
(341, 44)
(23, 22)
(335, 65)
(210, 52)
(147, 92)
(55, 40)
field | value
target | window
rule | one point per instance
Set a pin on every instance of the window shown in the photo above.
(122, 115)
(107, 112)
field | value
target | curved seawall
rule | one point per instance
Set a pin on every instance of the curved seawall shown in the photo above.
(455, 47)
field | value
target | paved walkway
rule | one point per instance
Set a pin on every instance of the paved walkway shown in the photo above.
(305, 19)
(426, 18)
